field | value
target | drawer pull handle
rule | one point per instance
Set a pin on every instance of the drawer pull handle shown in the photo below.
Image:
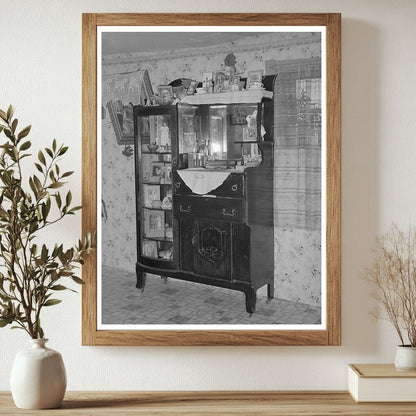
(177, 185)
(229, 214)
(234, 188)
(185, 209)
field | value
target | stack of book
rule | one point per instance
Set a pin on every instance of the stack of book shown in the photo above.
(381, 383)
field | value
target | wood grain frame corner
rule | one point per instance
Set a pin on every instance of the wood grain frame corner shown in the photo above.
(330, 336)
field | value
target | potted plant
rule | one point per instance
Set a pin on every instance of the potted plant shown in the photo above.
(393, 277)
(31, 273)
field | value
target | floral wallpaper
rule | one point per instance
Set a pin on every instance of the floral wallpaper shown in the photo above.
(297, 272)
(118, 203)
(297, 251)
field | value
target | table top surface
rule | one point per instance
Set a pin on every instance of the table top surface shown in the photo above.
(219, 403)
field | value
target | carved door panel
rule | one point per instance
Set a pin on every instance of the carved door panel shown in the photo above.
(212, 249)
(186, 240)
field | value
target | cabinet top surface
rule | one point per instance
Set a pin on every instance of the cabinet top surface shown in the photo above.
(249, 96)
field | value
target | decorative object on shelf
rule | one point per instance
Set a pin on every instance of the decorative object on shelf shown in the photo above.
(150, 193)
(192, 88)
(236, 83)
(405, 359)
(38, 377)
(33, 273)
(153, 147)
(393, 277)
(157, 172)
(149, 248)
(167, 201)
(164, 135)
(381, 383)
(256, 86)
(254, 77)
(154, 223)
(220, 82)
(207, 81)
(165, 95)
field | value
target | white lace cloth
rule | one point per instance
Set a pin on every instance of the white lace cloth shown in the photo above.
(202, 181)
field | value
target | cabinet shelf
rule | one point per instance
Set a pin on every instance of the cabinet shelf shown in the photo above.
(157, 183)
(146, 152)
(158, 209)
(158, 259)
(162, 239)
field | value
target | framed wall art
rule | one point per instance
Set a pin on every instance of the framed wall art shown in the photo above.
(242, 245)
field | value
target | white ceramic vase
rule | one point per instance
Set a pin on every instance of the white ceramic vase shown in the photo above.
(405, 358)
(38, 377)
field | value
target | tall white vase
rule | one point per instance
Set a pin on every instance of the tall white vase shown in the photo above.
(38, 378)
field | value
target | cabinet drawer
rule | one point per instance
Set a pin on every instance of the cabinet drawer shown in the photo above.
(223, 209)
(233, 186)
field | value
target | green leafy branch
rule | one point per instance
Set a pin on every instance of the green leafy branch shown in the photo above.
(30, 274)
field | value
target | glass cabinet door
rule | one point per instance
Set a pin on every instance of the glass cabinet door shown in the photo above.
(155, 185)
(191, 142)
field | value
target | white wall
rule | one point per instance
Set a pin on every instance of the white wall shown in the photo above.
(40, 73)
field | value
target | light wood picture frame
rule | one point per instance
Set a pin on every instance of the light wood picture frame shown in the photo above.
(330, 333)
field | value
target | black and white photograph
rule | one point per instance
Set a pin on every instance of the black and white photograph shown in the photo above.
(217, 217)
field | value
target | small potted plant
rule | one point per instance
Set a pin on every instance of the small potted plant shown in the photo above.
(393, 277)
(31, 273)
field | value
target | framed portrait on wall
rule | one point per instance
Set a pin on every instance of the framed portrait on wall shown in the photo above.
(248, 241)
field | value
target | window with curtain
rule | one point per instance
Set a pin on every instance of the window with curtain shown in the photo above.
(297, 180)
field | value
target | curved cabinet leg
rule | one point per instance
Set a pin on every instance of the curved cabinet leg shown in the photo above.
(250, 301)
(270, 291)
(141, 279)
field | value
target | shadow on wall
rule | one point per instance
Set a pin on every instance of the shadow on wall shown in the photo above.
(360, 178)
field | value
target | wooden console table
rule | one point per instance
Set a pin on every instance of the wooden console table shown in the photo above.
(178, 403)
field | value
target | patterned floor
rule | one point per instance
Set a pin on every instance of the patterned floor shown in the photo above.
(179, 302)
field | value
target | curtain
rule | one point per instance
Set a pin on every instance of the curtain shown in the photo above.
(297, 135)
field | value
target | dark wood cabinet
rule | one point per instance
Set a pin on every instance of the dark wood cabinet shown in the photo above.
(211, 157)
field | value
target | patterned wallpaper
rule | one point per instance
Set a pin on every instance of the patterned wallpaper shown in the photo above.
(297, 280)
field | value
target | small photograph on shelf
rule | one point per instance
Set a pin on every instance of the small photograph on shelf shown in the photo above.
(236, 83)
(154, 223)
(150, 193)
(156, 172)
(147, 161)
(166, 175)
(221, 82)
(165, 95)
(254, 79)
(149, 249)
(249, 134)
